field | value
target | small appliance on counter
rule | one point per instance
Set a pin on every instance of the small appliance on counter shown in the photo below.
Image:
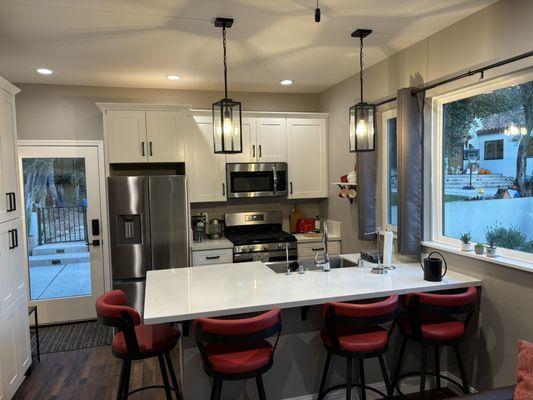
(305, 225)
(371, 256)
(216, 228)
(199, 223)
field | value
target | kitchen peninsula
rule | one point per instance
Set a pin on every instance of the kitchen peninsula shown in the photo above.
(179, 295)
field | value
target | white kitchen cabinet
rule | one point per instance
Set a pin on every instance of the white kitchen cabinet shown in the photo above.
(12, 273)
(307, 158)
(208, 257)
(139, 136)
(271, 139)
(164, 136)
(308, 250)
(9, 193)
(249, 144)
(206, 171)
(125, 133)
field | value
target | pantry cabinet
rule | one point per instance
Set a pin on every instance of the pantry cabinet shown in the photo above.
(206, 171)
(140, 136)
(15, 349)
(9, 193)
(307, 158)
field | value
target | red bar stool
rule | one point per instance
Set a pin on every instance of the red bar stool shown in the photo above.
(430, 320)
(355, 331)
(237, 349)
(135, 341)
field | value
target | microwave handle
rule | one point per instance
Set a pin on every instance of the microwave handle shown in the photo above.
(275, 176)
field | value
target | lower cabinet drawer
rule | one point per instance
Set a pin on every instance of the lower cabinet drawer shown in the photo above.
(207, 257)
(308, 250)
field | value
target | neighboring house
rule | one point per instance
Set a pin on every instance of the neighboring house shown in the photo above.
(498, 151)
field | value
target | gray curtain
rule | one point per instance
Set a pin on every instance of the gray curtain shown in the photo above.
(410, 170)
(366, 193)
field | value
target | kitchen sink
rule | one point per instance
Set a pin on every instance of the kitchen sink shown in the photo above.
(280, 267)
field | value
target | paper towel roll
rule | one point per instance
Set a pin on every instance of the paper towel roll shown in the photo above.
(388, 239)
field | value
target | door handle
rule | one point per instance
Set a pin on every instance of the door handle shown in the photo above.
(151, 148)
(253, 151)
(223, 189)
(142, 149)
(95, 243)
(291, 187)
(260, 151)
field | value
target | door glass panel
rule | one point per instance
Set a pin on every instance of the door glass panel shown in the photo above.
(55, 194)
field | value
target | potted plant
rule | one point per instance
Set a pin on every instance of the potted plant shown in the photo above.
(491, 249)
(466, 245)
(479, 248)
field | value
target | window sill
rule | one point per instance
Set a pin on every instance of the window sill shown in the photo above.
(501, 260)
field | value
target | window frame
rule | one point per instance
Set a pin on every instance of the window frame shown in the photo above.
(497, 142)
(436, 161)
(385, 117)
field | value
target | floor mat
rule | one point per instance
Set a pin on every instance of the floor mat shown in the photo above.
(75, 336)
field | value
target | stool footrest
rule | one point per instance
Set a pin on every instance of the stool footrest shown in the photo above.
(416, 373)
(356, 385)
(149, 387)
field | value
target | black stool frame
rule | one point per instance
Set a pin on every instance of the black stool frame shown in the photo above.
(126, 325)
(415, 309)
(202, 338)
(333, 320)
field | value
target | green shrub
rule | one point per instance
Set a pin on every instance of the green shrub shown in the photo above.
(508, 238)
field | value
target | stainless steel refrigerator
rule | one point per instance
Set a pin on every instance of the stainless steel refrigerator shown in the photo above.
(149, 225)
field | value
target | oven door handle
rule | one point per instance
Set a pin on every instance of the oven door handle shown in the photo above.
(275, 177)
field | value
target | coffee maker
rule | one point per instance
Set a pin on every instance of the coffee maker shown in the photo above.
(199, 223)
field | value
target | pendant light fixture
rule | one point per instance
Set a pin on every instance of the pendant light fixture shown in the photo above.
(362, 115)
(227, 119)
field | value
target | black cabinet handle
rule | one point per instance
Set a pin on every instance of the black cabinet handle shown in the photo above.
(212, 257)
(260, 151)
(318, 249)
(14, 201)
(291, 187)
(151, 148)
(14, 238)
(223, 189)
(11, 201)
(142, 149)
(253, 151)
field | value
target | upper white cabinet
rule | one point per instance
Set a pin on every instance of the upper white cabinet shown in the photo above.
(206, 171)
(249, 144)
(307, 158)
(138, 136)
(271, 139)
(9, 193)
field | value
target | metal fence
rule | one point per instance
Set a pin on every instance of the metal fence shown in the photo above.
(62, 224)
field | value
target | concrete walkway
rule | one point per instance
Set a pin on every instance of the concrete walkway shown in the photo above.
(61, 280)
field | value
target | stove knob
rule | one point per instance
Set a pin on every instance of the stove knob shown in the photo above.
(265, 247)
(245, 248)
(281, 245)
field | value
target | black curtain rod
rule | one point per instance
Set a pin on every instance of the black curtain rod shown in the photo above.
(473, 72)
(389, 100)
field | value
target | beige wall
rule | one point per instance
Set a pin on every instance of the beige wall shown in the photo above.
(496, 32)
(69, 112)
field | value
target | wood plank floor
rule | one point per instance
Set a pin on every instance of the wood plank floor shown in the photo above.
(87, 374)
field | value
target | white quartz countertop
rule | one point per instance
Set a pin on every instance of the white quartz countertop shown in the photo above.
(212, 244)
(302, 238)
(183, 294)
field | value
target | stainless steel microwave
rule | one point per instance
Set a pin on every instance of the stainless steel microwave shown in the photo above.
(256, 180)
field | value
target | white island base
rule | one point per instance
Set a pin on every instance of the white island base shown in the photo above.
(182, 294)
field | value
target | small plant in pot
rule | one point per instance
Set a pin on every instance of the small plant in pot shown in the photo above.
(479, 248)
(491, 250)
(466, 245)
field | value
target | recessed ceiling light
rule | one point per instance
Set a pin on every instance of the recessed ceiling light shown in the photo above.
(44, 71)
(286, 82)
(173, 77)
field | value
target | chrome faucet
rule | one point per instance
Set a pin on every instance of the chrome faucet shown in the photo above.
(324, 262)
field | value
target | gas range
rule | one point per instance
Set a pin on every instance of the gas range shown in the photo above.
(258, 236)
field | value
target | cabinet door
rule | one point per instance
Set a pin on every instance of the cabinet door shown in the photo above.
(307, 158)
(9, 201)
(271, 139)
(126, 136)
(164, 136)
(12, 272)
(249, 145)
(10, 370)
(23, 343)
(205, 169)
(18, 266)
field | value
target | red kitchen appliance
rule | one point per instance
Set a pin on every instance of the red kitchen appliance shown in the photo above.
(305, 225)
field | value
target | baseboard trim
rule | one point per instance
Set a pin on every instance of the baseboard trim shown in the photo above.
(408, 385)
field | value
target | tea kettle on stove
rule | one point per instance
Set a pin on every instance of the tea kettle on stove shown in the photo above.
(432, 267)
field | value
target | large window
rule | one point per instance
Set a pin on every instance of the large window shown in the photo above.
(485, 183)
(390, 170)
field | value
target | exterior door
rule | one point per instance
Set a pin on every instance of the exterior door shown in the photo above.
(271, 140)
(62, 208)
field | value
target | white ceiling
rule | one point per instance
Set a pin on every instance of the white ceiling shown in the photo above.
(135, 43)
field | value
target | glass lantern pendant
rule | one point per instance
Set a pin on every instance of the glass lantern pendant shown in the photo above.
(362, 115)
(227, 118)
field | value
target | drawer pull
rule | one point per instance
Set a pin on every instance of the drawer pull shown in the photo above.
(318, 249)
(212, 257)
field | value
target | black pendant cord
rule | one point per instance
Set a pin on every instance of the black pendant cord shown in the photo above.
(361, 67)
(225, 62)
